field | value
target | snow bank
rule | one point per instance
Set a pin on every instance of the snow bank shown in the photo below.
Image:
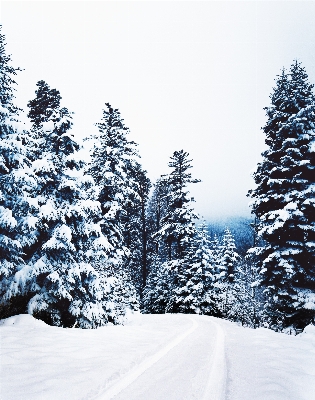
(25, 321)
(71, 364)
(263, 364)
(308, 333)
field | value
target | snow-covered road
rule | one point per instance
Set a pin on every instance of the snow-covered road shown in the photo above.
(192, 366)
(154, 357)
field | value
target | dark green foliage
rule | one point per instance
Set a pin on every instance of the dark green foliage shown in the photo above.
(16, 185)
(134, 225)
(177, 224)
(45, 103)
(284, 201)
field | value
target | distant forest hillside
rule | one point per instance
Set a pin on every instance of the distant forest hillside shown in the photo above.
(240, 227)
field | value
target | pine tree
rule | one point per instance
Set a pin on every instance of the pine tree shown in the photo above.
(193, 288)
(172, 211)
(229, 256)
(177, 226)
(110, 168)
(69, 269)
(247, 295)
(44, 105)
(115, 170)
(134, 225)
(157, 292)
(225, 261)
(16, 185)
(156, 212)
(159, 285)
(216, 248)
(284, 202)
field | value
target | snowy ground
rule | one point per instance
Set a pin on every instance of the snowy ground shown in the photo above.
(154, 357)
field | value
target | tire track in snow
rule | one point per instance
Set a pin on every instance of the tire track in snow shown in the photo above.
(132, 375)
(215, 389)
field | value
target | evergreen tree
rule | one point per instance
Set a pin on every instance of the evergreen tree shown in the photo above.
(157, 292)
(115, 169)
(173, 266)
(229, 256)
(69, 269)
(247, 295)
(156, 212)
(284, 202)
(45, 104)
(216, 248)
(110, 167)
(225, 262)
(134, 226)
(16, 186)
(177, 226)
(159, 285)
(194, 277)
(143, 190)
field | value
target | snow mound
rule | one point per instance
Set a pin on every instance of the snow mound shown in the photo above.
(309, 330)
(23, 320)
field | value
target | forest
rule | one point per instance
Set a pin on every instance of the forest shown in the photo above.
(85, 240)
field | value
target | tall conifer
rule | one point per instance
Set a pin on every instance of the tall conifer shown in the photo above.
(114, 168)
(70, 271)
(16, 186)
(284, 201)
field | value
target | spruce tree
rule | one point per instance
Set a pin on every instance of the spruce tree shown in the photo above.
(134, 225)
(110, 165)
(194, 278)
(177, 225)
(229, 256)
(173, 213)
(156, 212)
(144, 186)
(69, 268)
(216, 248)
(114, 168)
(225, 262)
(247, 295)
(283, 202)
(158, 290)
(16, 186)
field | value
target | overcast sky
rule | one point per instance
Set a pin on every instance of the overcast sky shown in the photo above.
(185, 75)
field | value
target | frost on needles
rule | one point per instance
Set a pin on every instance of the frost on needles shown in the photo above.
(284, 202)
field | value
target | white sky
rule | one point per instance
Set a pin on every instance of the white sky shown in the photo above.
(185, 75)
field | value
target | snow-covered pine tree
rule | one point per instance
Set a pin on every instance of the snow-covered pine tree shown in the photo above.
(216, 248)
(283, 202)
(176, 234)
(229, 256)
(156, 211)
(113, 167)
(134, 225)
(143, 191)
(194, 277)
(16, 185)
(225, 260)
(69, 269)
(159, 284)
(177, 225)
(247, 294)
(41, 110)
